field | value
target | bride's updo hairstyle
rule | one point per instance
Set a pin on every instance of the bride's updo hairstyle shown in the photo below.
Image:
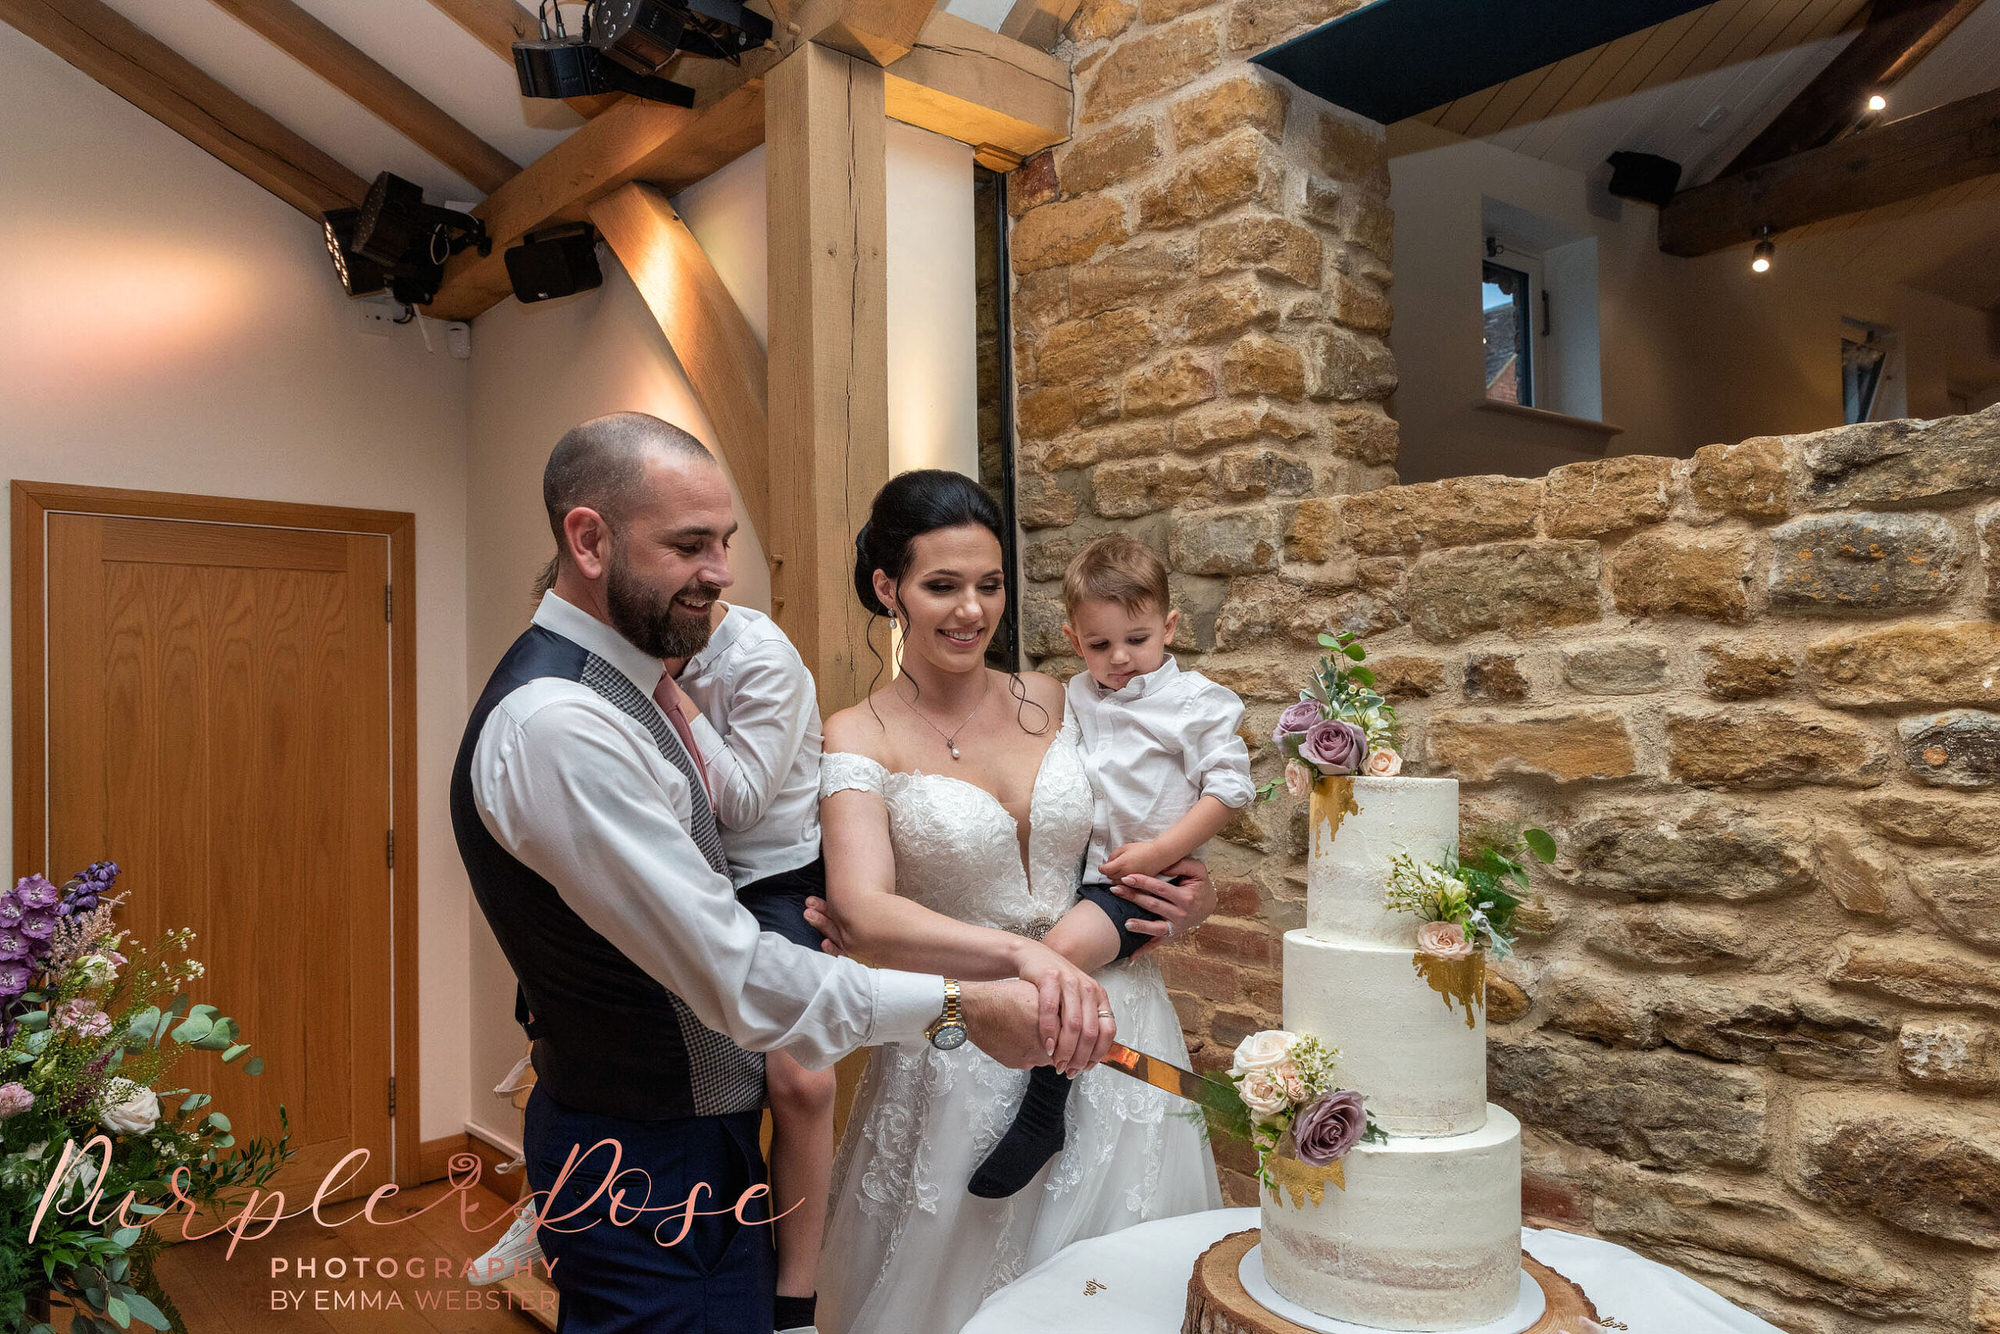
(908, 506)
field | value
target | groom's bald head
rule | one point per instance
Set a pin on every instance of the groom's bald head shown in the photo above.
(601, 465)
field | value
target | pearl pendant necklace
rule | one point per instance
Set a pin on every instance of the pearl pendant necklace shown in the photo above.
(951, 737)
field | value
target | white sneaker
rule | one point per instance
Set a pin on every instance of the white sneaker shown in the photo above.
(516, 1252)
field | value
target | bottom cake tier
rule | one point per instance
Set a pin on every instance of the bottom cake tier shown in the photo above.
(1427, 1234)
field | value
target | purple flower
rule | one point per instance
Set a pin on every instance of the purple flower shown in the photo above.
(14, 1099)
(14, 944)
(11, 911)
(1328, 1128)
(1334, 747)
(1296, 720)
(35, 892)
(37, 925)
(13, 977)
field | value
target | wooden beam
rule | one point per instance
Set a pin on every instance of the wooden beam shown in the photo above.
(153, 77)
(348, 68)
(1900, 160)
(704, 326)
(829, 391)
(968, 83)
(1039, 23)
(634, 140)
(880, 32)
(1894, 38)
(498, 24)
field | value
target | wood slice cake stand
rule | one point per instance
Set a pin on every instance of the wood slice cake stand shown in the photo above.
(1218, 1304)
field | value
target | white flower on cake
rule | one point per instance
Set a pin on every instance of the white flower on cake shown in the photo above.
(1383, 764)
(1298, 779)
(1446, 940)
(1263, 1051)
(1264, 1094)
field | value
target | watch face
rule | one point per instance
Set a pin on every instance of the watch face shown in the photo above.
(951, 1035)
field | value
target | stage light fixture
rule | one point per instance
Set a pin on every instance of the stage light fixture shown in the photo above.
(1646, 177)
(1877, 102)
(571, 67)
(359, 275)
(396, 240)
(555, 263)
(622, 45)
(1760, 256)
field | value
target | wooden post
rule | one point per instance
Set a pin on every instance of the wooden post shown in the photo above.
(829, 386)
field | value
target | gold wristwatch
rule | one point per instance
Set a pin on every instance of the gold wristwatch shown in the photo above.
(948, 1030)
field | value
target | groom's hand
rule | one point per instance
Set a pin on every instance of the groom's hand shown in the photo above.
(1004, 1020)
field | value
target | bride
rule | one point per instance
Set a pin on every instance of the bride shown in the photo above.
(955, 813)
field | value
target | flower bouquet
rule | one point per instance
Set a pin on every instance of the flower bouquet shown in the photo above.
(1341, 725)
(1291, 1107)
(1463, 902)
(85, 1132)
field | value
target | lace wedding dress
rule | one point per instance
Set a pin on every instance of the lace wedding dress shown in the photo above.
(908, 1250)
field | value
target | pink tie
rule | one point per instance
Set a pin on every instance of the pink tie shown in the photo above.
(663, 695)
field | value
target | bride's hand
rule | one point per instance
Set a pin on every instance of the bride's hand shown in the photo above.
(820, 919)
(1075, 1032)
(1181, 907)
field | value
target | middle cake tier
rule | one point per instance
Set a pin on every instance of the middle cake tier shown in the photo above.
(1410, 1028)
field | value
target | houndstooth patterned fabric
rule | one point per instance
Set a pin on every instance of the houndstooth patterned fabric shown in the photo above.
(724, 1077)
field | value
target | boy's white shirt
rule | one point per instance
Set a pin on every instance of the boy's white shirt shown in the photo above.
(1153, 748)
(759, 735)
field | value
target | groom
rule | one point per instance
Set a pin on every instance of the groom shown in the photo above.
(647, 991)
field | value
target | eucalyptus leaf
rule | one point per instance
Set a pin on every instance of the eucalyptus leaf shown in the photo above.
(127, 1236)
(235, 1051)
(194, 1102)
(254, 1066)
(219, 1121)
(223, 1141)
(143, 1309)
(191, 1031)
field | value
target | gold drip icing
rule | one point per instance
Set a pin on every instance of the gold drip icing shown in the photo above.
(1457, 980)
(1303, 1181)
(1332, 802)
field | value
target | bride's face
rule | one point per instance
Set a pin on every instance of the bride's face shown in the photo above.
(951, 597)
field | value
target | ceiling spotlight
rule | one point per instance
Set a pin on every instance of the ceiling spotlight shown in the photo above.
(358, 274)
(1877, 102)
(555, 263)
(1760, 257)
(624, 44)
(396, 240)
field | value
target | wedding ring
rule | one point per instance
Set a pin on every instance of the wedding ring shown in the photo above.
(1104, 1014)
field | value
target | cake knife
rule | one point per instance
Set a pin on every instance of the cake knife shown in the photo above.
(1160, 1074)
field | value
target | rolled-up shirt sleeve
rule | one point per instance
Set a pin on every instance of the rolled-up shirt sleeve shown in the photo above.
(563, 788)
(1213, 755)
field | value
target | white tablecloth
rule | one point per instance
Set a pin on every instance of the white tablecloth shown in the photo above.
(1141, 1277)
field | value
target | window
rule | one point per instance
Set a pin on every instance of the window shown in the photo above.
(1506, 296)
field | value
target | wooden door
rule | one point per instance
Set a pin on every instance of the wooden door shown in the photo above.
(218, 721)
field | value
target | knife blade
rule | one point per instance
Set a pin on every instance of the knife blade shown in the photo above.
(1160, 1074)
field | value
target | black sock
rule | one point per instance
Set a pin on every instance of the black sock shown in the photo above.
(792, 1312)
(1033, 1139)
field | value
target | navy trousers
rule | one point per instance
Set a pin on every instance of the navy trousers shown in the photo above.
(617, 1274)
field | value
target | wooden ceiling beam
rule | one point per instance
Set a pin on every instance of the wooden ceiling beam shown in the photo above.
(1900, 160)
(1003, 97)
(348, 68)
(149, 74)
(715, 345)
(880, 32)
(1039, 23)
(498, 24)
(1894, 38)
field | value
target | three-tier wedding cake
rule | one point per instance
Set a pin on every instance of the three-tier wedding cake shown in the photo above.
(1423, 1233)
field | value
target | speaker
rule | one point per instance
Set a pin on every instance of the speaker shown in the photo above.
(552, 264)
(1644, 177)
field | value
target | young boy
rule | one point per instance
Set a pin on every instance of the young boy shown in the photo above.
(1168, 770)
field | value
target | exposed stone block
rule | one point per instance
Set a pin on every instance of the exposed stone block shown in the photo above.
(1047, 559)
(1877, 462)
(1458, 512)
(1773, 747)
(1864, 562)
(1794, 1030)
(1988, 526)
(1107, 157)
(1260, 364)
(1934, 819)
(1952, 1054)
(1040, 503)
(1407, 677)
(1241, 168)
(1129, 489)
(1603, 496)
(1227, 542)
(1682, 572)
(1255, 24)
(1911, 663)
(1660, 1108)
(1672, 938)
(1598, 1005)
(1566, 747)
(1251, 473)
(1349, 366)
(1518, 586)
(1964, 896)
(1620, 667)
(1753, 478)
(1041, 623)
(1129, 276)
(1095, 348)
(1315, 530)
(1495, 676)
(1505, 1000)
(1040, 302)
(1097, 20)
(1365, 433)
(1152, 63)
(1348, 149)
(1922, 972)
(1748, 671)
(1703, 850)
(1267, 245)
(1176, 381)
(1065, 232)
(1860, 875)
(1361, 305)
(1133, 440)
(1234, 423)
(1916, 1167)
(1216, 309)
(1252, 98)
(1042, 414)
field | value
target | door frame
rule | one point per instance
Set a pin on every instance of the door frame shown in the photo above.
(33, 502)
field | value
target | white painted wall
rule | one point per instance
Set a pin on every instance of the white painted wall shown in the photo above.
(165, 325)
(1692, 351)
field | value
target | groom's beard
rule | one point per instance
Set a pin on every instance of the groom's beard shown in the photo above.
(650, 619)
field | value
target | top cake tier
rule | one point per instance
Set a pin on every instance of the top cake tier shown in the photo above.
(1359, 825)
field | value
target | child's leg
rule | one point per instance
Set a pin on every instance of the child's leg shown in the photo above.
(801, 1172)
(1121, 912)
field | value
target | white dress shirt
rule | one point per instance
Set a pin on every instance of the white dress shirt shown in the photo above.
(759, 734)
(1153, 748)
(579, 792)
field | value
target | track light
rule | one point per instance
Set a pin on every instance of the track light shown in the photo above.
(624, 44)
(396, 240)
(1760, 256)
(1877, 102)
(555, 263)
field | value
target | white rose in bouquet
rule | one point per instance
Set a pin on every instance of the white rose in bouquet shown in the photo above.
(1262, 1051)
(1264, 1094)
(129, 1108)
